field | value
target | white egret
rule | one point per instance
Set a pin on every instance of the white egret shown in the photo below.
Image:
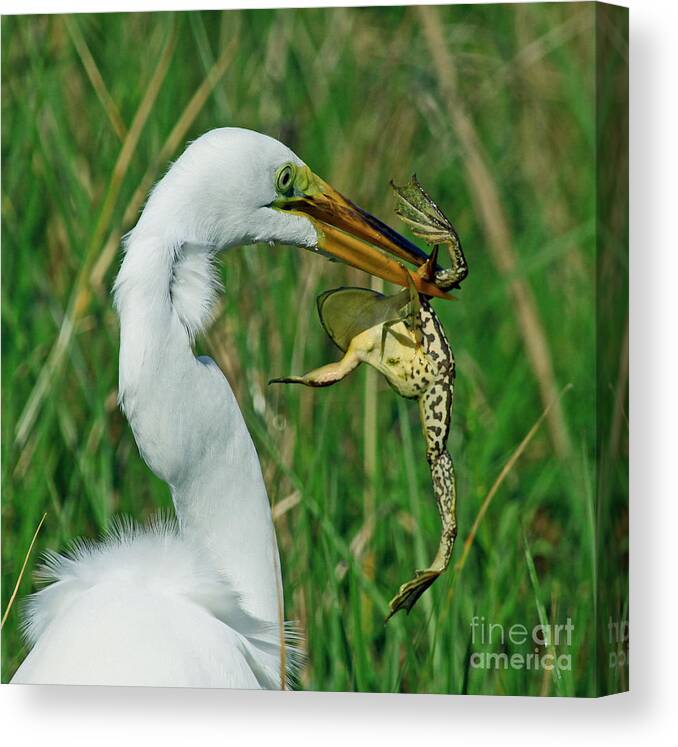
(199, 603)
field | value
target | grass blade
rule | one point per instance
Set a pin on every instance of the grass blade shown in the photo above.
(21, 572)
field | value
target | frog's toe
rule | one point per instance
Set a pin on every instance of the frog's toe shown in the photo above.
(287, 380)
(409, 593)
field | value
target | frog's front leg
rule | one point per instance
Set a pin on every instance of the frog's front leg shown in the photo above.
(325, 375)
(412, 318)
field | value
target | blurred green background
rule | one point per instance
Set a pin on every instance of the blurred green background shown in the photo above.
(493, 108)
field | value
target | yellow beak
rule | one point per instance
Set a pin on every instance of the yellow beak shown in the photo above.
(357, 238)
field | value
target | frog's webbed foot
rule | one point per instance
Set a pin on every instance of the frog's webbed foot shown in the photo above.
(325, 375)
(409, 593)
(427, 221)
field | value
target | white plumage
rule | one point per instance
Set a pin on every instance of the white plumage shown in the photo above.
(154, 593)
(199, 603)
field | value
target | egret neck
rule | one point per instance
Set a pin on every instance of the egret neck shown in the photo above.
(185, 418)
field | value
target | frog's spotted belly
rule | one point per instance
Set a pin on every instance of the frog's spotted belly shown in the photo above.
(411, 376)
(415, 370)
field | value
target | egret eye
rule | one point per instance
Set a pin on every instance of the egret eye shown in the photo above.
(284, 180)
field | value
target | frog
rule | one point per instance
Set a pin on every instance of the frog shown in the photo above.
(401, 336)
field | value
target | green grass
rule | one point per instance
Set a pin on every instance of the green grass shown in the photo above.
(363, 96)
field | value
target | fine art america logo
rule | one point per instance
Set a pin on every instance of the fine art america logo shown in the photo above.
(549, 645)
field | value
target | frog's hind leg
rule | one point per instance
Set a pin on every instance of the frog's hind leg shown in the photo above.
(450, 277)
(442, 472)
(444, 487)
(325, 375)
(435, 407)
(453, 276)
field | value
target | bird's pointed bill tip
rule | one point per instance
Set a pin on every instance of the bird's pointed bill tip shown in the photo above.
(357, 238)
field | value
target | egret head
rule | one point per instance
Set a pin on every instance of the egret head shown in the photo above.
(232, 187)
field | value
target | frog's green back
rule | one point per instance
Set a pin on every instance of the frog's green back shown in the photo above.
(346, 312)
